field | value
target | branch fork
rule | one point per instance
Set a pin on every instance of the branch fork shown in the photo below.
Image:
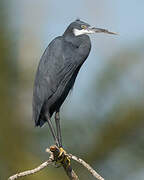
(55, 156)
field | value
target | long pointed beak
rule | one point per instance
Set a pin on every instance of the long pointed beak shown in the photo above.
(99, 30)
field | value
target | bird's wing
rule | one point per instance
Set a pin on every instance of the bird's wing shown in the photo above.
(55, 69)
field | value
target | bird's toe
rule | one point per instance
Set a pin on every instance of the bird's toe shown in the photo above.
(63, 158)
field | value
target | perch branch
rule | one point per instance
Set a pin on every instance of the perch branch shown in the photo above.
(32, 171)
(54, 157)
(86, 165)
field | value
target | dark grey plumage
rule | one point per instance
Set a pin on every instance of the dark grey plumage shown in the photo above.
(57, 71)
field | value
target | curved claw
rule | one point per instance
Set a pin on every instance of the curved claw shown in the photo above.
(63, 158)
(62, 151)
(67, 161)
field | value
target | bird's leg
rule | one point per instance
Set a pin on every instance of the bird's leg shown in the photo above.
(52, 131)
(59, 137)
(57, 121)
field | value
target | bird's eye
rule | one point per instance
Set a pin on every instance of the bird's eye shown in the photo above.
(83, 26)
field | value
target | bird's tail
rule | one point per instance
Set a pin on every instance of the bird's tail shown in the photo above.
(40, 122)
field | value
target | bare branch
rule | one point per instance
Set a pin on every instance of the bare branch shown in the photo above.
(54, 152)
(32, 171)
(86, 165)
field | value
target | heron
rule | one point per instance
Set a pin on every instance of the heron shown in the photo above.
(57, 72)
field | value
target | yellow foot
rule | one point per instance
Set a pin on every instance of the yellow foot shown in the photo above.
(62, 152)
(63, 158)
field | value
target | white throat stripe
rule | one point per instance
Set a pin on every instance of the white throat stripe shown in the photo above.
(78, 32)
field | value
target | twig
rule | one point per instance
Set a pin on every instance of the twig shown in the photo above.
(86, 165)
(32, 171)
(54, 157)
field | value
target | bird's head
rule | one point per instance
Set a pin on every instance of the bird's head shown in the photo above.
(79, 27)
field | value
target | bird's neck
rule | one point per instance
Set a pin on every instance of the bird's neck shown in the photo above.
(81, 43)
(75, 40)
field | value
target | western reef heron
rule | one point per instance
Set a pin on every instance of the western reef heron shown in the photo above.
(57, 71)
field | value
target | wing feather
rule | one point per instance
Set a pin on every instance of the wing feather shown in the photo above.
(54, 70)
